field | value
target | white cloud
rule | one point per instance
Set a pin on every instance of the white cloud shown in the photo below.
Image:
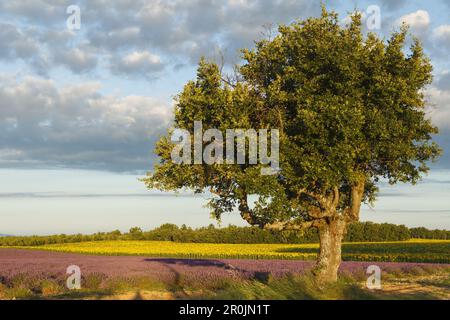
(439, 100)
(15, 43)
(76, 125)
(180, 31)
(419, 20)
(41, 11)
(442, 32)
(137, 59)
(142, 63)
(77, 60)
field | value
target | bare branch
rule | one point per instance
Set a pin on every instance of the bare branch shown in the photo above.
(228, 82)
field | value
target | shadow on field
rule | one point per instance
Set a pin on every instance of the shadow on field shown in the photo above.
(177, 286)
(170, 262)
(193, 263)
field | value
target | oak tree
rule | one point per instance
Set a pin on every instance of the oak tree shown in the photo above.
(350, 109)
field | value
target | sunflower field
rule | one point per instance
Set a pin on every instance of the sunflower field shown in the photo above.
(429, 251)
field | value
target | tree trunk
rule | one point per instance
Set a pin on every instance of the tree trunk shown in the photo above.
(331, 234)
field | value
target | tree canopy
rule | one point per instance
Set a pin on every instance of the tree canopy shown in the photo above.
(350, 110)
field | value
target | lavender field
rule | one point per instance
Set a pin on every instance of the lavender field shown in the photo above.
(15, 261)
(26, 269)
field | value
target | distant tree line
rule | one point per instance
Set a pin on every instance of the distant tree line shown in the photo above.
(357, 232)
(424, 233)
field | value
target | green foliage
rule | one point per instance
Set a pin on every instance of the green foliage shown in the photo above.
(373, 232)
(357, 232)
(291, 288)
(424, 233)
(260, 287)
(350, 110)
(136, 234)
(305, 287)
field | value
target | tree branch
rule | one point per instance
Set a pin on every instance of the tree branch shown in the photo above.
(357, 193)
(228, 82)
(290, 225)
(321, 199)
(336, 197)
(246, 213)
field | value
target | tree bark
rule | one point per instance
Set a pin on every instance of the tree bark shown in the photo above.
(331, 233)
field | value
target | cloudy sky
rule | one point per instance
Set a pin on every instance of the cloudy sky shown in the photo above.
(81, 109)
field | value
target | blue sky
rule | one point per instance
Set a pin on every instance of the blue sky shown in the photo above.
(80, 110)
